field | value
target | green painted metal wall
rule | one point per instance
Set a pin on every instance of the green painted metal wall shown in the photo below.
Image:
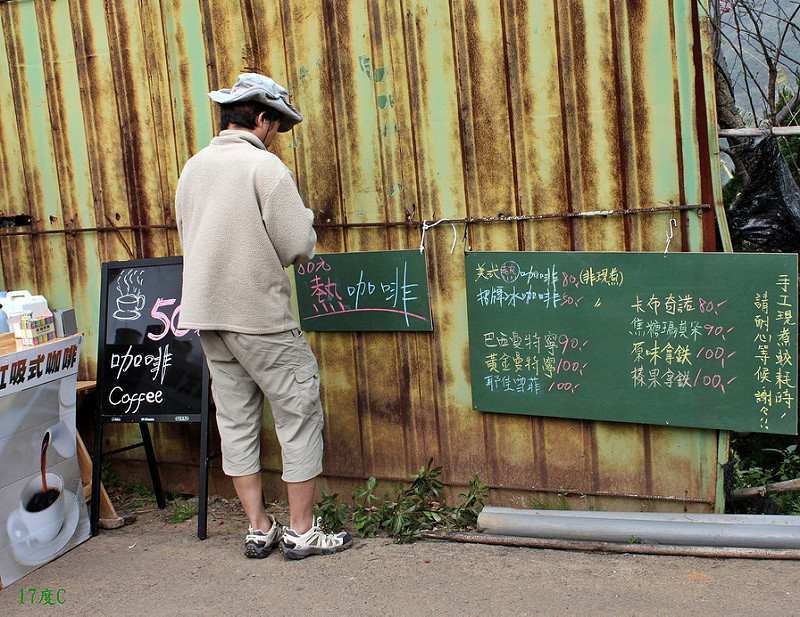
(414, 111)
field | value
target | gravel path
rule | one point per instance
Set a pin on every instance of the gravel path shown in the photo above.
(152, 567)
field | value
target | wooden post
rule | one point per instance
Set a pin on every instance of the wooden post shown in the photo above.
(108, 515)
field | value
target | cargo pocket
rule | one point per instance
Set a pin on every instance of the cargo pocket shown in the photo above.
(305, 399)
(306, 372)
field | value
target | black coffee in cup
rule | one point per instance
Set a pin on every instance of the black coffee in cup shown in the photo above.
(41, 500)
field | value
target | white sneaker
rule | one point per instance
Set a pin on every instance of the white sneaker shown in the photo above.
(258, 544)
(313, 542)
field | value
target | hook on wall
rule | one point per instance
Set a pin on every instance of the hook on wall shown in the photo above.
(670, 234)
(426, 227)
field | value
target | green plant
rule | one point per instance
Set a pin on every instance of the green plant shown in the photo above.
(182, 510)
(415, 508)
(585, 499)
(634, 540)
(764, 459)
(410, 510)
(465, 514)
(538, 504)
(789, 465)
(561, 503)
(426, 483)
(137, 494)
(403, 519)
(752, 476)
(755, 464)
(365, 517)
(334, 514)
(107, 477)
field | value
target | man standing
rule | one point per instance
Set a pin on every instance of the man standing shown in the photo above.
(241, 221)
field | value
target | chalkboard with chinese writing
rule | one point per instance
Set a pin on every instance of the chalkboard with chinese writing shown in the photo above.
(376, 290)
(703, 340)
(148, 369)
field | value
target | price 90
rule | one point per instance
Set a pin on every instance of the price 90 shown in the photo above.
(169, 322)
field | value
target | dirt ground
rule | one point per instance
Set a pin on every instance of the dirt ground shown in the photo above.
(154, 567)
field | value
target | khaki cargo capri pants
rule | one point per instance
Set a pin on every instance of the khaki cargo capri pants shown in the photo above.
(246, 367)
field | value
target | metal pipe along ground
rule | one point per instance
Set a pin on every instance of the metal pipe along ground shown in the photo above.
(719, 530)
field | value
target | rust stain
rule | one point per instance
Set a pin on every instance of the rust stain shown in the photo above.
(416, 36)
(624, 130)
(208, 17)
(93, 68)
(119, 31)
(316, 155)
(567, 106)
(539, 183)
(583, 101)
(701, 114)
(681, 180)
(26, 271)
(141, 164)
(465, 108)
(252, 54)
(349, 140)
(648, 456)
(641, 105)
(57, 105)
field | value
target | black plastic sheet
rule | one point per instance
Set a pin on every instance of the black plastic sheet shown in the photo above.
(766, 216)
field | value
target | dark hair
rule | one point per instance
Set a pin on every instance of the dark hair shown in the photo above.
(245, 114)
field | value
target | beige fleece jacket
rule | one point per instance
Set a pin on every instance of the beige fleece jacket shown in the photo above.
(241, 221)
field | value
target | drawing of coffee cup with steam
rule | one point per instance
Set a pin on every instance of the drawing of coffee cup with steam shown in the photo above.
(131, 300)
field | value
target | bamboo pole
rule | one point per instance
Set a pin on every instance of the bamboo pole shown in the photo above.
(776, 487)
(611, 547)
(778, 131)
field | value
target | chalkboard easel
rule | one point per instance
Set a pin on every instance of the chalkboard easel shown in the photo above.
(148, 370)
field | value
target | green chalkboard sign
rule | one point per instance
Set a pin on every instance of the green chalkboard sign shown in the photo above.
(686, 339)
(367, 291)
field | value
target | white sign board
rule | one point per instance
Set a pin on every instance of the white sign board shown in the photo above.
(37, 413)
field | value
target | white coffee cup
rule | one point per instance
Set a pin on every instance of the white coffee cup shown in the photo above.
(129, 306)
(42, 526)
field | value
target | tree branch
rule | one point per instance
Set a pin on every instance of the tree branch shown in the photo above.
(788, 110)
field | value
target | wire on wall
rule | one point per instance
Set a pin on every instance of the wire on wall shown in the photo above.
(385, 224)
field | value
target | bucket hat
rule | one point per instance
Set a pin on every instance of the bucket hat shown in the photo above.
(255, 87)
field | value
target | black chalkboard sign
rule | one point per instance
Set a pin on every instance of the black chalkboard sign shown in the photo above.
(148, 369)
(364, 291)
(703, 340)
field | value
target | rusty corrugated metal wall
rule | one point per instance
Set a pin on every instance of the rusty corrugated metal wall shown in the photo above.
(413, 111)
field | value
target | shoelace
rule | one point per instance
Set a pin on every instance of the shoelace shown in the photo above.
(314, 537)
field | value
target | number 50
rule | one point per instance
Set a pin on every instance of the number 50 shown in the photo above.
(169, 322)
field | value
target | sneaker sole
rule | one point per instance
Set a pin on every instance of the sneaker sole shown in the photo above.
(256, 552)
(308, 552)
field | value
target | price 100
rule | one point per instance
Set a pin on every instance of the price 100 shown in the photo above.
(564, 386)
